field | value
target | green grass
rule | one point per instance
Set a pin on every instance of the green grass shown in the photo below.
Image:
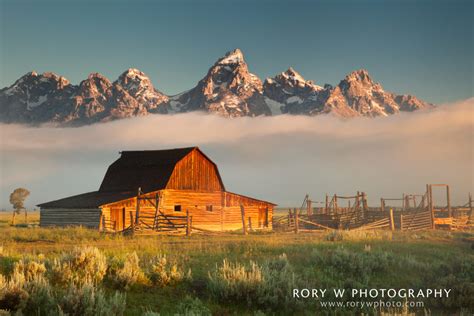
(376, 259)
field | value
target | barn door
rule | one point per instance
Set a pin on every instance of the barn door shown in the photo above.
(262, 217)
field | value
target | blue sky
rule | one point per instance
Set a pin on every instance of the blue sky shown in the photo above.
(418, 47)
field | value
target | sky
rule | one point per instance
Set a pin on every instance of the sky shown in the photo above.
(278, 159)
(417, 47)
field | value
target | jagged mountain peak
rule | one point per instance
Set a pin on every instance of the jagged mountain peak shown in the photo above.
(135, 81)
(97, 76)
(135, 74)
(33, 76)
(232, 57)
(293, 75)
(360, 75)
(138, 85)
(228, 89)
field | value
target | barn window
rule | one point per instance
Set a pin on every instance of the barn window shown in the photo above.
(209, 208)
(177, 208)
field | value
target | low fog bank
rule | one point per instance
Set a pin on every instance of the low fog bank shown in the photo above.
(279, 159)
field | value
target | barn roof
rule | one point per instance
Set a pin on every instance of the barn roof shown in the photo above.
(149, 170)
(88, 200)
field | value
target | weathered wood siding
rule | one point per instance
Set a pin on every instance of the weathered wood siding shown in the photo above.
(224, 216)
(197, 204)
(120, 214)
(195, 172)
(258, 214)
(70, 217)
(226, 212)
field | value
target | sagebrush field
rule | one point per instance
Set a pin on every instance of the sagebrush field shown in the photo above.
(77, 271)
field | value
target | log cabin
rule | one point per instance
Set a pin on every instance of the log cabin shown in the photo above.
(160, 190)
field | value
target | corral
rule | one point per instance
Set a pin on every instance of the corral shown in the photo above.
(417, 212)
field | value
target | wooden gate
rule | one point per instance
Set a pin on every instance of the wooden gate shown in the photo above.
(416, 221)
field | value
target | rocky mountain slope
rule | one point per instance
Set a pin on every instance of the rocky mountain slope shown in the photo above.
(228, 89)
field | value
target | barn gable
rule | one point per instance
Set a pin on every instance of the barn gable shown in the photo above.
(195, 172)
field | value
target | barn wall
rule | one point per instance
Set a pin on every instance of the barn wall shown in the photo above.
(121, 214)
(225, 214)
(259, 212)
(195, 172)
(70, 217)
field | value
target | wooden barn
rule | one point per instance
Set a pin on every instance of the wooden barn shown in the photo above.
(160, 190)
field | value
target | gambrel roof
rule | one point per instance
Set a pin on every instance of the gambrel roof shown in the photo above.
(149, 170)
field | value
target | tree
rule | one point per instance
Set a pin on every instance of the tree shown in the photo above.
(17, 199)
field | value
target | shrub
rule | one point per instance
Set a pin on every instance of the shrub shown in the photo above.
(268, 286)
(457, 276)
(88, 300)
(353, 266)
(83, 265)
(193, 307)
(164, 273)
(279, 281)
(235, 281)
(130, 273)
(31, 270)
(13, 297)
(41, 300)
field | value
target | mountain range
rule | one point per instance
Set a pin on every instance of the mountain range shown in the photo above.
(228, 89)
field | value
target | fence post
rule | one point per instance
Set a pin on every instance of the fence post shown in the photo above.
(382, 206)
(104, 228)
(101, 226)
(327, 205)
(470, 206)
(365, 204)
(296, 221)
(26, 217)
(310, 207)
(132, 222)
(290, 217)
(138, 206)
(13, 218)
(431, 206)
(188, 224)
(242, 213)
(448, 199)
(401, 221)
(392, 223)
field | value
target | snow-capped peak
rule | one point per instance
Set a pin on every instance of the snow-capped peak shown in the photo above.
(139, 85)
(135, 73)
(293, 75)
(233, 57)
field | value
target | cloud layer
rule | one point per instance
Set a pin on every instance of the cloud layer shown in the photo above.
(274, 158)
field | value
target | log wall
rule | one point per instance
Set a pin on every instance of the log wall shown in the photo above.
(216, 210)
(70, 217)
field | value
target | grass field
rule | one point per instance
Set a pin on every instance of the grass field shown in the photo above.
(259, 272)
